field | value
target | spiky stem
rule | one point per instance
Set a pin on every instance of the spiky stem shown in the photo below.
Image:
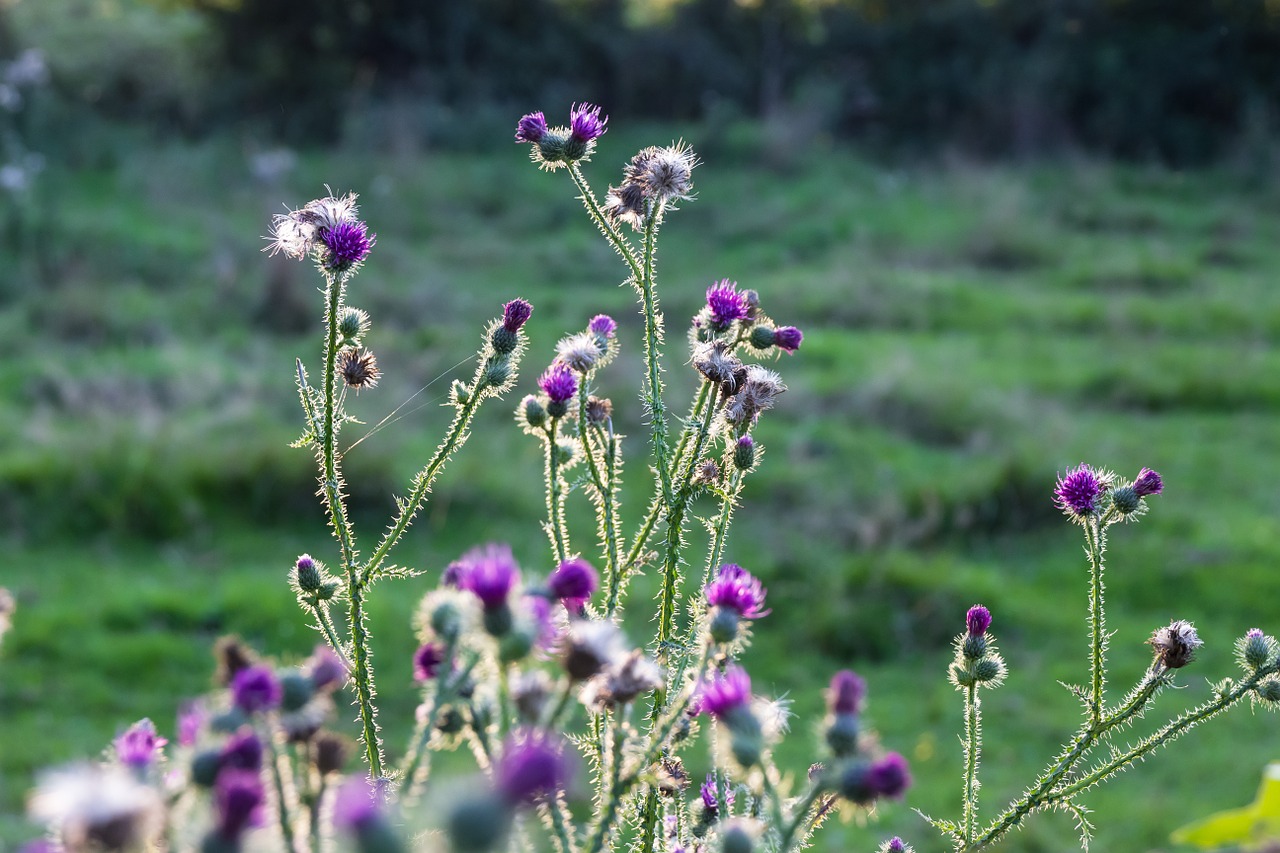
(555, 501)
(972, 753)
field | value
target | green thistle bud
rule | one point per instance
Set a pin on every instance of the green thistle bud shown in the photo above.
(575, 149)
(736, 838)
(446, 621)
(842, 735)
(566, 453)
(327, 591)
(960, 675)
(989, 670)
(532, 415)
(497, 370)
(298, 691)
(515, 645)
(1125, 500)
(552, 147)
(974, 646)
(557, 408)
(1255, 649)
(459, 393)
(308, 574)
(762, 337)
(724, 625)
(746, 737)
(1269, 690)
(504, 340)
(744, 453)
(498, 620)
(353, 324)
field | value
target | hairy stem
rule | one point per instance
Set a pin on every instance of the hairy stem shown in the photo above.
(363, 674)
(555, 502)
(972, 752)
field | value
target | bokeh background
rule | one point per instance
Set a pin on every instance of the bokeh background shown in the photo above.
(1017, 236)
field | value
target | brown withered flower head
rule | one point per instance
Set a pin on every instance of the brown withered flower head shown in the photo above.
(1175, 644)
(358, 368)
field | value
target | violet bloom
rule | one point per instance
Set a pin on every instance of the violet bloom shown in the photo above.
(738, 590)
(427, 660)
(1077, 493)
(788, 338)
(559, 383)
(490, 573)
(349, 243)
(888, 776)
(573, 582)
(531, 127)
(191, 719)
(602, 325)
(977, 620)
(255, 688)
(516, 313)
(326, 669)
(847, 692)
(242, 751)
(708, 791)
(726, 303)
(725, 694)
(1148, 483)
(357, 804)
(531, 764)
(238, 798)
(585, 122)
(139, 745)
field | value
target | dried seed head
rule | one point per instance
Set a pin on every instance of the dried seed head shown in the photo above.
(760, 388)
(358, 368)
(625, 204)
(599, 410)
(1175, 644)
(716, 361)
(331, 752)
(580, 352)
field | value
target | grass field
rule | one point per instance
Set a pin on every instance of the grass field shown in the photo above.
(970, 331)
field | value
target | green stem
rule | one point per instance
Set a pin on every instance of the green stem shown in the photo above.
(332, 490)
(653, 334)
(606, 498)
(1095, 543)
(620, 571)
(563, 833)
(555, 508)
(363, 674)
(972, 749)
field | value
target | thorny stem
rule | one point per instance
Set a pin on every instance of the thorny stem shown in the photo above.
(555, 807)
(363, 673)
(334, 503)
(653, 334)
(607, 500)
(619, 572)
(555, 508)
(972, 748)
(1095, 538)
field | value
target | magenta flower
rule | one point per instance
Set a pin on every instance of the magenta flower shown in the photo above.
(349, 243)
(191, 719)
(573, 582)
(516, 312)
(725, 694)
(708, 791)
(238, 798)
(603, 326)
(531, 127)
(357, 804)
(977, 620)
(559, 383)
(847, 692)
(255, 688)
(427, 660)
(1148, 483)
(242, 751)
(1077, 493)
(490, 573)
(531, 764)
(737, 589)
(888, 776)
(139, 745)
(726, 303)
(788, 338)
(585, 122)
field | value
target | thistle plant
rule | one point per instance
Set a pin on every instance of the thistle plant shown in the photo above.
(1096, 500)
(530, 669)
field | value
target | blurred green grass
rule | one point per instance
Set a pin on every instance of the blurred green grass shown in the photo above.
(970, 331)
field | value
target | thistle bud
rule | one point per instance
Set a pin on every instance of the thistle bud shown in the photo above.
(478, 823)
(504, 340)
(724, 625)
(1269, 690)
(459, 393)
(327, 591)
(744, 453)
(307, 574)
(1256, 649)
(497, 370)
(762, 337)
(331, 752)
(973, 647)
(842, 735)
(205, 767)
(989, 669)
(531, 415)
(737, 837)
(1148, 483)
(296, 691)
(353, 324)
(1126, 500)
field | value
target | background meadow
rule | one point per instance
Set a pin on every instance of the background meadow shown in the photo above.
(974, 324)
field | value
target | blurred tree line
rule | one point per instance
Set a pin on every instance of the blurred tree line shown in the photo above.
(1178, 80)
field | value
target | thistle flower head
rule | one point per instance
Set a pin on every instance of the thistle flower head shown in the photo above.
(726, 304)
(573, 582)
(1078, 491)
(531, 764)
(427, 660)
(894, 845)
(1175, 644)
(889, 776)
(531, 127)
(347, 244)
(357, 804)
(139, 745)
(579, 352)
(238, 798)
(977, 620)
(760, 388)
(626, 678)
(788, 338)
(664, 174)
(722, 695)
(846, 693)
(490, 573)
(599, 410)
(1148, 483)
(559, 383)
(627, 204)
(736, 589)
(516, 312)
(255, 689)
(326, 669)
(358, 368)
(586, 123)
(710, 801)
(242, 751)
(716, 361)
(603, 326)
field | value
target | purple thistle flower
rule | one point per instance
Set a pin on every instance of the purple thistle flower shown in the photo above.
(559, 383)
(242, 751)
(726, 303)
(1255, 634)
(894, 845)
(847, 692)
(427, 660)
(788, 338)
(348, 243)
(452, 575)
(255, 688)
(326, 669)
(139, 745)
(357, 804)
(725, 694)
(737, 589)
(573, 582)
(546, 632)
(531, 764)
(238, 798)
(531, 127)
(977, 620)
(708, 791)
(585, 122)
(490, 573)
(516, 312)
(1148, 483)
(1077, 493)
(602, 325)
(191, 719)
(889, 776)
